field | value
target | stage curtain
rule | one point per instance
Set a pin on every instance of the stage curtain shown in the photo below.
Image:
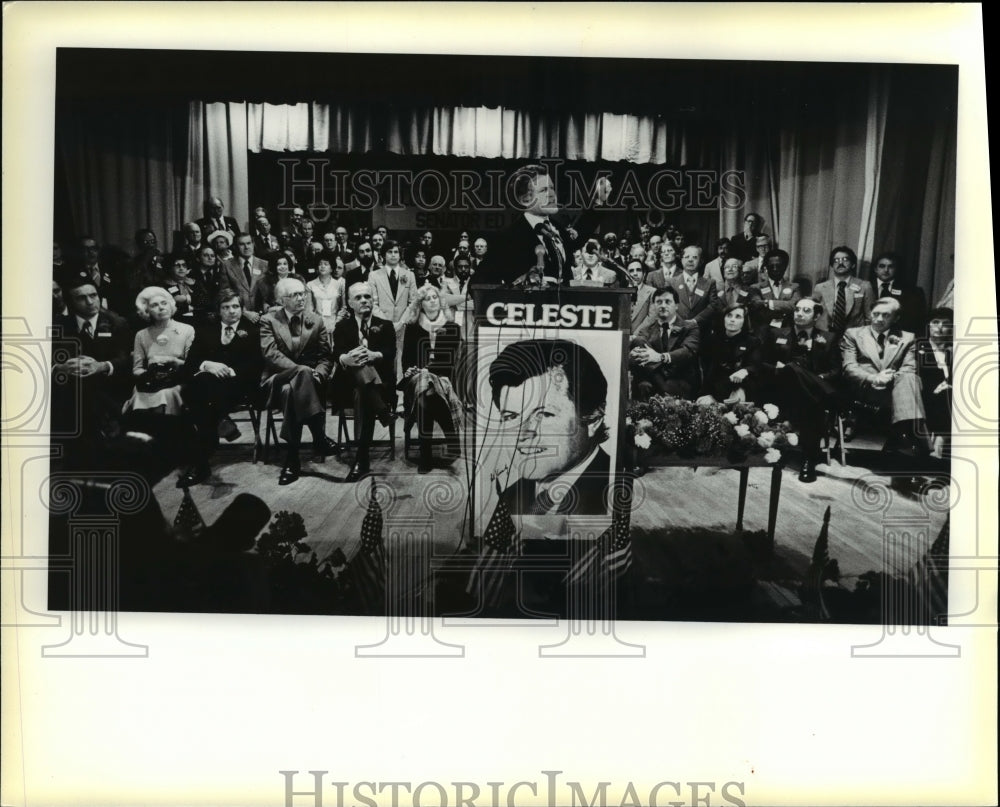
(120, 170)
(215, 162)
(465, 131)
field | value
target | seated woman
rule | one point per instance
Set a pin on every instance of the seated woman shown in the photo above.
(279, 265)
(732, 360)
(158, 356)
(329, 296)
(190, 294)
(431, 348)
(934, 364)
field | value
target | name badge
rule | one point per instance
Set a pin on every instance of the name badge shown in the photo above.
(894, 291)
(173, 289)
(781, 341)
(106, 277)
(254, 271)
(786, 293)
(699, 292)
(820, 340)
(775, 323)
(743, 347)
(741, 294)
(855, 288)
(103, 334)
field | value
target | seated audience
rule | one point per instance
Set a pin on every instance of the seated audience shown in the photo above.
(763, 247)
(191, 241)
(241, 272)
(880, 367)
(222, 242)
(697, 297)
(668, 268)
(264, 241)
(158, 355)
(664, 354)
(431, 351)
(222, 370)
(643, 310)
(713, 269)
(297, 364)
(805, 362)
(189, 293)
(934, 364)
(263, 295)
(847, 300)
(214, 220)
(591, 268)
(743, 245)
(365, 349)
(731, 358)
(327, 289)
(206, 270)
(733, 290)
(777, 295)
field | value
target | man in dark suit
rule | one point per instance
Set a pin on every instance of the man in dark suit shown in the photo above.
(806, 364)
(912, 300)
(241, 271)
(297, 364)
(214, 220)
(778, 296)
(362, 266)
(697, 296)
(223, 368)
(664, 354)
(365, 349)
(92, 373)
(535, 238)
(556, 392)
(744, 245)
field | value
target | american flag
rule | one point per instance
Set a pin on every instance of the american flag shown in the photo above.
(611, 555)
(820, 565)
(188, 520)
(367, 567)
(501, 545)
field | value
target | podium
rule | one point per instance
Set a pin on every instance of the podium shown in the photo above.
(550, 375)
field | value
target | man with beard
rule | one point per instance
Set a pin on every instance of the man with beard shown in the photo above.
(363, 265)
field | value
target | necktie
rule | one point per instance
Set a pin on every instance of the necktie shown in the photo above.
(228, 337)
(393, 282)
(803, 337)
(364, 333)
(690, 280)
(881, 345)
(246, 270)
(87, 331)
(295, 326)
(589, 275)
(840, 308)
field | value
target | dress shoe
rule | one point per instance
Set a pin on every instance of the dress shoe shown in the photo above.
(808, 472)
(288, 475)
(325, 448)
(228, 430)
(357, 472)
(193, 476)
(385, 417)
(424, 468)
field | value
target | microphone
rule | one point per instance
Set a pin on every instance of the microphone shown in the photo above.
(540, 259)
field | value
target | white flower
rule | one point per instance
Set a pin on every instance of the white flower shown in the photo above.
(742, 430)
(771, 410)
(644, 424)
(772, 455)
(731, 417)
(766, 439)
(642, 440)
(793, 438)
(761, 417)
(628, 421)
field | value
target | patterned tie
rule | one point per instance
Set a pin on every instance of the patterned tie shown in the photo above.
(87, 331)
(228, 337)
(364, 332)
(691, 280)
(840, 308)
(881, 345)
(393, 282)
(295, 326)
(589, 276)
(246, 271)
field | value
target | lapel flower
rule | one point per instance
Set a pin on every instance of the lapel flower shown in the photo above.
(161, 339)
(893, 340)
(820, 340)
(241, 334)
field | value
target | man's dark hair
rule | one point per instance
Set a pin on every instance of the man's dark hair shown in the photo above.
(850, 253)
(719, 242)
(941, 312)
(224, 296)
(665, 290)
(586, 385)
(524, 177)
(777, 253)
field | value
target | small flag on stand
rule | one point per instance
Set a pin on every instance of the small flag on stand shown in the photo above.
(367, 567)
(188, 521)
(611, 555)
(501, 546)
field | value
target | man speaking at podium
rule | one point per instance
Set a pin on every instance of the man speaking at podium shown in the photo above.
(535, 240)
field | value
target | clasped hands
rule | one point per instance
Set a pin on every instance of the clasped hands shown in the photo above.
(84, 366)
(359, 357)
(645, 355)
(882, 379)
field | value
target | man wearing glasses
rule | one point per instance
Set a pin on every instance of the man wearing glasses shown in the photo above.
(297, 364)
(847, 300)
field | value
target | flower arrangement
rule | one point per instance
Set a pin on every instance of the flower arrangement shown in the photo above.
(682, 427)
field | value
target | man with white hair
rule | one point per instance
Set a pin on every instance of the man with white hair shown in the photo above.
(297, 365)
(880, 367)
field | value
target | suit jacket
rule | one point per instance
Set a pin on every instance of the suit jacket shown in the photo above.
(381, 338)
(357, 275)
(601, 273)
(858, 295)
(723, 356)
(242, 354)
(743, 248)
(820, 356)
(233, 277)
(513, 254)
(699, 305)
(912, 302)
(642, 308)
(587, 496)
(384, 303)
(784, 302)
(859, 350)
(655, 278)
(208, 226)
(112, 341)
(713, 271)
(681, 343)
(276, 344)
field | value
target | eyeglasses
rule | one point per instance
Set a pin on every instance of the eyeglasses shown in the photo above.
(842, 259)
